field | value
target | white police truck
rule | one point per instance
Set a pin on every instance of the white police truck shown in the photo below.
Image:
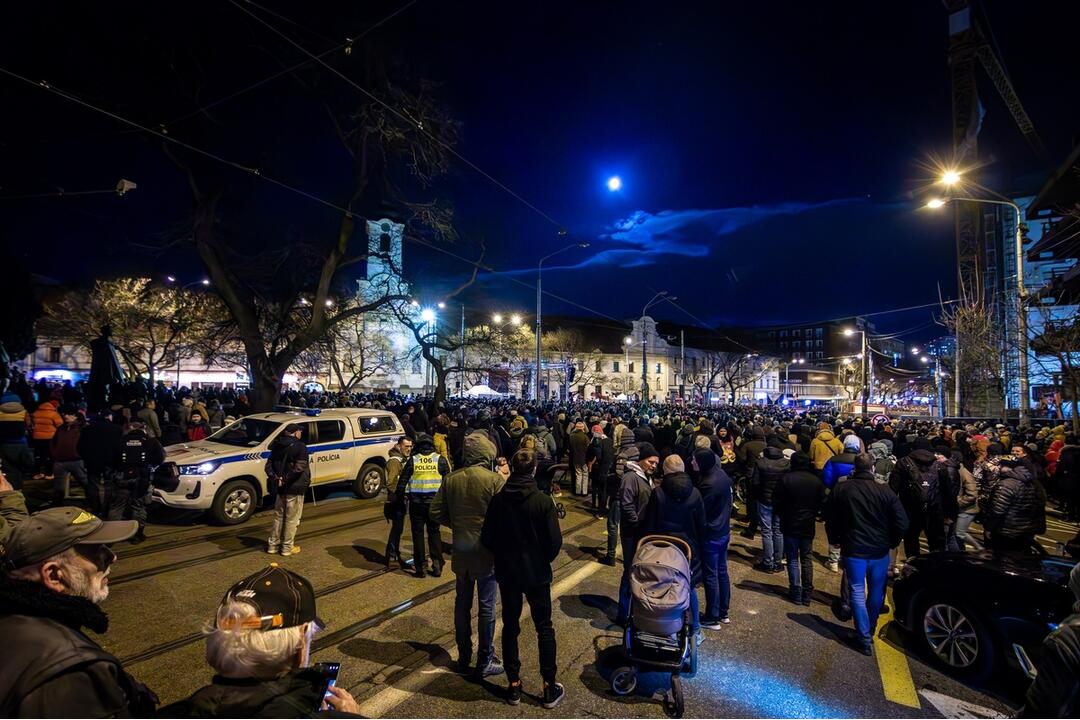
(225, 473)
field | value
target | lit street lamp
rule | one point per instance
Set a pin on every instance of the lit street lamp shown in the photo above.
(866, 364)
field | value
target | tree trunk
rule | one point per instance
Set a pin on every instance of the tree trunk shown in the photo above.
(265, 386)
(1073, 387)
(439, 401)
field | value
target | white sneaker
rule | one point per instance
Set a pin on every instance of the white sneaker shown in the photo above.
(272, 550)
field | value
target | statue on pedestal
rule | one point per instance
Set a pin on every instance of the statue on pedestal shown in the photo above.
(105, 372)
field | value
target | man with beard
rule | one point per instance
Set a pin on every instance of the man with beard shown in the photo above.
(56, 566)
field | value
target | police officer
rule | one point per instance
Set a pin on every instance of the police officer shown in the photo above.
(130, 481)
(395, 508)
(421, 478)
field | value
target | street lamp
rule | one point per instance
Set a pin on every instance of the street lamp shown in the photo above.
(787, 366)
(539, 321)
(658, 297)
(515, 319)
(950, 177)
(172, 280)
(496, 318)
(1021, 288)
(867, 366)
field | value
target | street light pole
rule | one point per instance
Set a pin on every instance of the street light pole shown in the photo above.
(539, 321)
(1021, 315)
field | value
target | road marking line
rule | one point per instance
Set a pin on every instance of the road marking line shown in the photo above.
(893, 667)
(950, 707)
(382, 702)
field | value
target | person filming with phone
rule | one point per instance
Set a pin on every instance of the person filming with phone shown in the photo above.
(259, 646)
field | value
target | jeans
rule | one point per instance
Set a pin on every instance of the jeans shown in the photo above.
(865, 581)
(629, 547)
(539, 599)
(287, 512)
(61, 470)
(613, 516)
(695, 611)
(772, 540)
(800, 565)
(485, 624)
(717, 584)
(581, 480)
(960, 537)
(419, 521)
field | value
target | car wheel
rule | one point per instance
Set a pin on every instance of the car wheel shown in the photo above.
(956, 638)
(369, 481)
(234, 503)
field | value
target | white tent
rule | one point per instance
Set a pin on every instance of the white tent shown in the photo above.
(482, 391)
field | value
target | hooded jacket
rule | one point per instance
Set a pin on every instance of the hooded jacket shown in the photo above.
(769, 470)
(46, 420)
(1016, 506)
(836, 467)
(715, 487)
(296, 695)
(12, 421)
(461, 504)
(634, 491)
(52, 668)
(823, 447)
(864, 517)
(676, 508)
(521, 530)
(288, 461)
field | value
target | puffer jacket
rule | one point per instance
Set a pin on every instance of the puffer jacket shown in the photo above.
(769, 471)
(1016, 506)
(836, 467)
(12, 421)
(823, 447)
(676, 508)
(46, 420)
(461, 503)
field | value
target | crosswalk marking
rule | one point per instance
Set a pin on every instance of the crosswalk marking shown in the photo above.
(950, 707)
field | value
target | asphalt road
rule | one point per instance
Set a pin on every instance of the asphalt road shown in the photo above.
(393, 633)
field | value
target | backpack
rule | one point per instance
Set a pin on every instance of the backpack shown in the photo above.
(922, 486)
(883, 467)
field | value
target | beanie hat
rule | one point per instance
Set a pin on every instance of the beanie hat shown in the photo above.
(853, 443)
(646, 451)
(705, 459)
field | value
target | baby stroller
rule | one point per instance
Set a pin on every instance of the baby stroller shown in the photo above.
(552, 477)
(658, 634)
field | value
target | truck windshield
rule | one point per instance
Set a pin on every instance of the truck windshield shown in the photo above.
(245, 432)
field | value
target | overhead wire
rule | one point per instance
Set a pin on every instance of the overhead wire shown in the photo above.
(286, 186)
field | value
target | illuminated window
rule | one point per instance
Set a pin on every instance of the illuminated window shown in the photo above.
(54, 354)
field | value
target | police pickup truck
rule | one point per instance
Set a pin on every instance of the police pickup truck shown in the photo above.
(224, 474)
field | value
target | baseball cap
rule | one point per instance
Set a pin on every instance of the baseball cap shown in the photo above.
(281, 599)
(53, 531)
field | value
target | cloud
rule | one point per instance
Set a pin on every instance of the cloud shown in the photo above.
(645, 238)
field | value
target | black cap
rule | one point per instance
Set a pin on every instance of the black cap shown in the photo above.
(53, 531)
(646, 451)
(281, 599)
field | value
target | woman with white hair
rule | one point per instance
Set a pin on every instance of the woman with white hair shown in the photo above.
(259, 646)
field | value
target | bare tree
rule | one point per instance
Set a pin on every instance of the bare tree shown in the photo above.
(577, 358)
(153, 326)
(974, 325)
(1056, 345)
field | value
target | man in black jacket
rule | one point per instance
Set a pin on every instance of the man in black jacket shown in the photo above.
(797, 500)
(287, 470)
(1015, 511)
(521, 529)
(769, 470)
(99, 444)
(129, 482)
(55, 564)
(715, 487)
(865, 518)
(1053, 694)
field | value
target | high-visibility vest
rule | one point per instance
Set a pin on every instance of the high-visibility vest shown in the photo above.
(426, 477)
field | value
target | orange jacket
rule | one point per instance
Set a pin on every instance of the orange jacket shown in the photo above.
(46, 420)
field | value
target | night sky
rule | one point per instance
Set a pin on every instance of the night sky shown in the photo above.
(773, 155)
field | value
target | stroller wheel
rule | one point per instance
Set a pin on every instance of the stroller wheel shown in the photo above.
(624, 681)
(560, 509)
(673, 701)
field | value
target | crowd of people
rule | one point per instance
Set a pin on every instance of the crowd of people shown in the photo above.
(487, 471)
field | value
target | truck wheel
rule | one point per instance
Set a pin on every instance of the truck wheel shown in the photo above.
(369, 481)
(234, 503)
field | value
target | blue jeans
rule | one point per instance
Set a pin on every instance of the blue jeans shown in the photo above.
(772, 540)
(629, 547)
(613, 515)
(960, 537)
(695, 611)
(864, 579)
(715, 570)
(485, 630)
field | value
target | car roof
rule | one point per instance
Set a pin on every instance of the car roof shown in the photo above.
(302, 414)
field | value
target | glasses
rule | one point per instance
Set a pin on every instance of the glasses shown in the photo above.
(101, 556)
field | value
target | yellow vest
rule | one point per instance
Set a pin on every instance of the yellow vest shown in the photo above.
(426, 477)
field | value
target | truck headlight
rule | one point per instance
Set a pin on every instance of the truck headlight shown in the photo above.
(202, 469)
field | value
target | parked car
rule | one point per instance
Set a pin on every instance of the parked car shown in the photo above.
(224, 474)
(967, 609)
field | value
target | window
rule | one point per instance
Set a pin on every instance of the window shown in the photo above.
(658, 370)
(783, 345)
(783, 333)
(615, 366)
(599, 391)
(329, 431)
(772, 334)
(597, 366)
(796, 332)
(384, 238)
(377, 424)
(796, 344)
(818, 332)
(630, 367)
(54, 354)
(817, 343)
(818, 355)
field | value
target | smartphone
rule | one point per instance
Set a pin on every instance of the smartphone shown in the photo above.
(329, 672)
